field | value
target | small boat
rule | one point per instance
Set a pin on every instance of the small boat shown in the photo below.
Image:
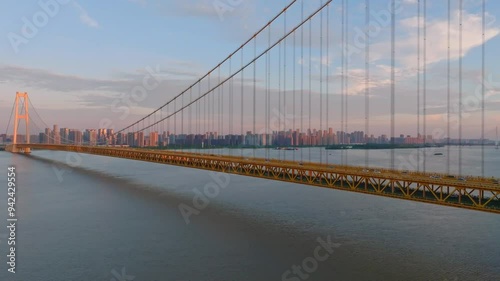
(285, 148)
(438, 154)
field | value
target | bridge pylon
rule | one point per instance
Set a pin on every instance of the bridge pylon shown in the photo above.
(21, 114)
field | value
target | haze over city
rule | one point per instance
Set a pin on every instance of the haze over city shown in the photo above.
(81, 67)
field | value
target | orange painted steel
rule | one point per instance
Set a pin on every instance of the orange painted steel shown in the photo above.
(474, 193)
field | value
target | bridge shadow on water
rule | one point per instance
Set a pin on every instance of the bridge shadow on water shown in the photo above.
(170, 198)
(277, 240)
(261, 230)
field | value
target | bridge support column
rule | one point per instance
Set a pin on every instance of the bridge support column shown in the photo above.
(21, 114)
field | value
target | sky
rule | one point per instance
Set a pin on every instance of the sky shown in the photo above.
(79, 59)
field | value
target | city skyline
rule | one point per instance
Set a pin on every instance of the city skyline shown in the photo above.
(98, 88)
(309, 137)
(250, 140)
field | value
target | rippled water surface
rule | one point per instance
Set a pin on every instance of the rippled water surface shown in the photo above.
(106, 216)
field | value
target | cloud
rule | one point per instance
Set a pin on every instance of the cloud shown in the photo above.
(46, 80)
(437, 32)
(85, 18)
(84, 92)
(100, 93)
(406, 60)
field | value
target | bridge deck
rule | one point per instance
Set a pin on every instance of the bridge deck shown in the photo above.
(465, 192)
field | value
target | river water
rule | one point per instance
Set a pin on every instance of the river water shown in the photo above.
(84, 217)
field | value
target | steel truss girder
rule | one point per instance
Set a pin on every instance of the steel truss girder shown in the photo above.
(477, 194)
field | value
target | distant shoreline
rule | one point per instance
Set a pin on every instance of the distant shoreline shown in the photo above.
(396, 146)
(380, 146)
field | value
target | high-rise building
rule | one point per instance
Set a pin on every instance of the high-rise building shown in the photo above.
(21, 138)
(153, 139)
(172, 139)
(102, 137)
(357, 137)
(64, 135)
(132, 139)
(47, 138)
(75, 137)
(56, 136)
(140, 139)
(90, 137)
(121, 139)
(384, 139)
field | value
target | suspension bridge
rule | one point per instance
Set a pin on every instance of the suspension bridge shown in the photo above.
(275, 88)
